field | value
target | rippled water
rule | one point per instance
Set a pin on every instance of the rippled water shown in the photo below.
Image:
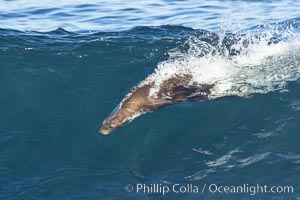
(122, 14)
(58, 84)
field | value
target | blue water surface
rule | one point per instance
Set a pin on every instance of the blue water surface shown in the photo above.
(65, 65)
(117, 15)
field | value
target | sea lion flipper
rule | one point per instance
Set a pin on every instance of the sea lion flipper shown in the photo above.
(190, 93)
(179, 89)
(181, 93)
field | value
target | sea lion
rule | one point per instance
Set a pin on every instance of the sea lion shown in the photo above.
(176, 89)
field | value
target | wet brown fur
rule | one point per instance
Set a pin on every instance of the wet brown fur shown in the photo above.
(174, 90)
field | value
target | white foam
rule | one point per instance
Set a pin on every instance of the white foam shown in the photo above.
(259, 67)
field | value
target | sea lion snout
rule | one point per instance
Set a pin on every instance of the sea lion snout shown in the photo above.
(106, 128)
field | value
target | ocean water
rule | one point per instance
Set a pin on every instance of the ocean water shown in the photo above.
(65, 66)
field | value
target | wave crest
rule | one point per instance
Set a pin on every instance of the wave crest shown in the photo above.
(236, 64)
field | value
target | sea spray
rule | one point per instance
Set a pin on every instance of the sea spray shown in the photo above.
(237, 65)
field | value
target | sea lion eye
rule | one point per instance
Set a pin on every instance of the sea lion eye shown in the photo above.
(106, 125)
(110, 126)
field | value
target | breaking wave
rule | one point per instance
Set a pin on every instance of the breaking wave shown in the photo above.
(237, 64)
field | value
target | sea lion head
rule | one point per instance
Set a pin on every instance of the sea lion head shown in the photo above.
(113, 121)
(108, 126)
(135, 103)
(119, 116)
